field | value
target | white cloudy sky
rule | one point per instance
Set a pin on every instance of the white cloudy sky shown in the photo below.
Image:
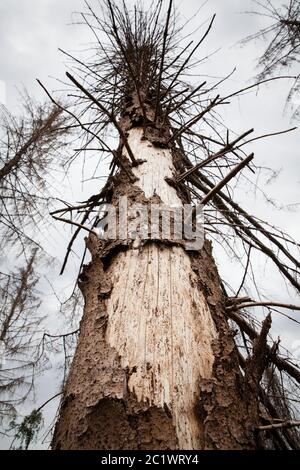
(31, 32)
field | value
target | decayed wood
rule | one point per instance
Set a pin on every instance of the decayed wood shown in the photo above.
(156, 365)
(284, 424)
(156, 359)
(163, 329)
(158, 165)
(157, 325)
(160, 325)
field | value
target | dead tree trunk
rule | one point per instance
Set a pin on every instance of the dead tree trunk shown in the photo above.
(156, 365)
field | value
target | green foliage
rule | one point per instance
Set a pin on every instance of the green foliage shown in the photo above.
(28, 429)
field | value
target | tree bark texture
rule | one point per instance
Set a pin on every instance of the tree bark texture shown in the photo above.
(156, 365)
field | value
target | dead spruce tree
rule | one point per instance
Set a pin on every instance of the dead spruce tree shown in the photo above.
(282, 36)
(29, 145)
(19, 325)
(157, 364)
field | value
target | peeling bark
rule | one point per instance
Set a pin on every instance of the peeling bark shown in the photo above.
(156, 365)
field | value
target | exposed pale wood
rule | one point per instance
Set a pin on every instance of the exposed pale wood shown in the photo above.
(160, 325)
(158, 320)
(158, 165)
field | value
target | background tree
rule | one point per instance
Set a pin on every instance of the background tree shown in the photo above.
(29, 148)
(282, 37)
(29, 152)
(19, 325)
(134, 347)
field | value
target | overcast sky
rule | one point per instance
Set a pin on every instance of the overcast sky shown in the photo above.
(31, 32)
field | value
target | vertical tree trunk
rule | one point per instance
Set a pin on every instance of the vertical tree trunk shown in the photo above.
(156, 365)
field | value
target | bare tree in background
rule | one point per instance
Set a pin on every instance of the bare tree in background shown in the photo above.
(28, 155)
(159, 363)
(282, 37)
(19, 325)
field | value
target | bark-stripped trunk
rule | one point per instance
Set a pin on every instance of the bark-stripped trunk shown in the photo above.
(156, 365)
